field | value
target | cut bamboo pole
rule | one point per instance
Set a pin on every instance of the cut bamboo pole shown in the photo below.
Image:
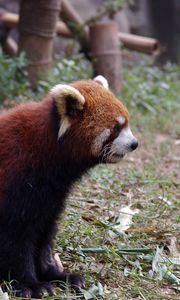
(63, 30)
(75, 23)
(129, 41)
(139, 43)
(37, 27)
(69, 14)
(9, 19)
(105, 52)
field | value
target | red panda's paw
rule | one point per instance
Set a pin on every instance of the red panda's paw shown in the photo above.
(76, 282)
(34, 291)
(41, 289)
(22, 291)
(73, 281)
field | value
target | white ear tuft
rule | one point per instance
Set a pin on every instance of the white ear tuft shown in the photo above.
(65, 124)
(102, 80)
(68, 101)
(62, 91)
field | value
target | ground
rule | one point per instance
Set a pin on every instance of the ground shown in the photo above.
(146, 180)
(141, 261)
(90, 239)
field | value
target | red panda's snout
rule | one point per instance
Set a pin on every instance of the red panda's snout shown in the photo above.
(124, 143)
(113, 142)
(113, 150)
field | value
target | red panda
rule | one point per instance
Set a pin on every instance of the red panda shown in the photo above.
(44, 148)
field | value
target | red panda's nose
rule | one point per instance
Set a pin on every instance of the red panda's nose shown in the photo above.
(134, 145)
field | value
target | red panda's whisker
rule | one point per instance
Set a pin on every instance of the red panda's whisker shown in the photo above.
(107, 154)
(105, 151)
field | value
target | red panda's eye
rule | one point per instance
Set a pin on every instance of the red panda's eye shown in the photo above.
(117, 129)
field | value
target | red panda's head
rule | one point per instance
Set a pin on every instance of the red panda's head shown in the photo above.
(93, 122)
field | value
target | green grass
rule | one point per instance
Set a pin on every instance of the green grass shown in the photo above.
(14, 83)
(142, 262)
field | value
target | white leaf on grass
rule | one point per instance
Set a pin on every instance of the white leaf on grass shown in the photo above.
(174, 261)
(127, 271)
(3, 296)
(164, 199)
(157, 260)
(159, 267)
(124, 220)
(168, 275)
(94, 291)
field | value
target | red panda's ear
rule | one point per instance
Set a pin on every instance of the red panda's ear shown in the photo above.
(102, 81)
(69, 102)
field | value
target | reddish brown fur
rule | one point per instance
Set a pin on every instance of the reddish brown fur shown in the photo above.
(31, 121)
(101, 108)
(37, 171)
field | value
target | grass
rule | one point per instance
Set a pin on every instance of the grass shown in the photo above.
(146, 180)
(142, 262)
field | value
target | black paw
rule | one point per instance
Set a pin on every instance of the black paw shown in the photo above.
(73, 281)
(76, 281)
(40, 289)
(34, 291)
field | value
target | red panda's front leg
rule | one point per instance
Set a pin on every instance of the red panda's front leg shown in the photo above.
(18, 268)
(49, 270)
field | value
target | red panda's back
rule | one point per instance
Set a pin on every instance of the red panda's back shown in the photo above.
(21, 135)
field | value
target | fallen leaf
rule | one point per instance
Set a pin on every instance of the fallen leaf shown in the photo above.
(58, 261)
(94, 291)
(124, 220)
(3, 296)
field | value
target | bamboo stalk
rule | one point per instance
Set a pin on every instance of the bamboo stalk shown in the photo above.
(135, 251)
(9, 19)
(37, 31)
(129, 41)
(69, 14)
(63, 30)
(75, 23)
(139, 43)
(106, 53)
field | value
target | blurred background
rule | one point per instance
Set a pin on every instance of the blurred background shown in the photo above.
(67, 27)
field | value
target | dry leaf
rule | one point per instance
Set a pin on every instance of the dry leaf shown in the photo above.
(3, 296)
(124, 220)
(58, 261)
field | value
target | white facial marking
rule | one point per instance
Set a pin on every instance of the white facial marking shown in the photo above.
(103, 81)
(121, 145)
(63, 127)
(121, 120)
(99, 140)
